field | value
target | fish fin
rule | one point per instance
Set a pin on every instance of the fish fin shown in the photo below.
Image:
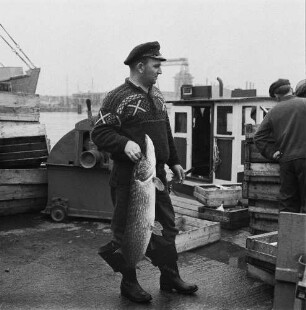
(157, 228)
(158, 184)
(147, 258)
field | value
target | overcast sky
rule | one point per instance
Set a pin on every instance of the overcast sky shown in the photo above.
(80, 45)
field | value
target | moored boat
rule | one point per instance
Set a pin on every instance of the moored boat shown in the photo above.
(23, 142)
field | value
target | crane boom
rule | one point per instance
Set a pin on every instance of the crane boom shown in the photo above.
(176, 61)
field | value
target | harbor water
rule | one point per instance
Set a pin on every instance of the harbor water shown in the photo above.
(59, 123)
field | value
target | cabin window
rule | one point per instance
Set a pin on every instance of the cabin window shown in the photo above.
(180, 122)
(224, 120)
(248, 117)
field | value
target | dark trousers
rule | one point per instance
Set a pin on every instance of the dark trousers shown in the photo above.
(293, 186)
(161, 249)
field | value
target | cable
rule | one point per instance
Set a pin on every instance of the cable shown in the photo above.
(19, 48)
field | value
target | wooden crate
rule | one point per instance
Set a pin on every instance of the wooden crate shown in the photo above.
(214, 196)
(22, 145)
(263, 216)
(261, 186)
(230, 218)
(263, 247)
(259, 273)
(264, 207)
(19, 107)
(23, 190)
(261, 252)
(188, 203)
(261, 181)
(194, 233)
(259, 226)
(252, 154)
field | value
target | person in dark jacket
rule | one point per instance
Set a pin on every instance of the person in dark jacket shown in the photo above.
(300, 89)
(128, 113)
(286, 123)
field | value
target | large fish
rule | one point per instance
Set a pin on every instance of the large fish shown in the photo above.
(141, 207)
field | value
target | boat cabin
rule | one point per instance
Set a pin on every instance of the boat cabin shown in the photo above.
(209, 134)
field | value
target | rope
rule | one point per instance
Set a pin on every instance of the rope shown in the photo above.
(216, 158)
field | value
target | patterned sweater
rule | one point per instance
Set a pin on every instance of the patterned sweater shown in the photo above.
(128, 113)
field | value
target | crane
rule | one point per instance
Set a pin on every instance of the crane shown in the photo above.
(181, 78)
(177, 61)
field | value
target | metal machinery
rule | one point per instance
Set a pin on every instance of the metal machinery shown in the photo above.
(78, 176)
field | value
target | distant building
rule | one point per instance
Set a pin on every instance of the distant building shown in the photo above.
(215, 92)
(97, 98)
(169, 95)
(240, 93)
(79, 99)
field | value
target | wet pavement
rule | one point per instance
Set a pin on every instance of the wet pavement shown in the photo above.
(47, 265)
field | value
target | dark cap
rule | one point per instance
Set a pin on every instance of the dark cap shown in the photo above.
(300, 89)
(276, 85)
(149, 49)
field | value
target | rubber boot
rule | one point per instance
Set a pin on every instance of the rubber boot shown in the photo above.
(170, 280)
(131, 289)
(113, 258)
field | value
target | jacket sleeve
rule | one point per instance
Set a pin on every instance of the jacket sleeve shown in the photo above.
(264, 140)
(106, 132)
(173, 158)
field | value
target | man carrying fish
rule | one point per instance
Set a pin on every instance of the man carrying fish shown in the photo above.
(133, 126)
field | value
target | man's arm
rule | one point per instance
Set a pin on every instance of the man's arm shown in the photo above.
(263, 139)
(173, 158)
(174, 162)
(105, 133)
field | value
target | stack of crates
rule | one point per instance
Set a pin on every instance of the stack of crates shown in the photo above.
(260, 186)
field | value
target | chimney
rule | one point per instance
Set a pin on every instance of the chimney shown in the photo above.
(220, 87)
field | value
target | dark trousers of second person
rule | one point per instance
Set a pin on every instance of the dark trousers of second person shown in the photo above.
(293, 186)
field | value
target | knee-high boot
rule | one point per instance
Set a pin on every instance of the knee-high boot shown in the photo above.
(170, 280)
(130, 288)
(165, 257)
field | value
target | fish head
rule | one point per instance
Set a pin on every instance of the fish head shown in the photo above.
(145, 167)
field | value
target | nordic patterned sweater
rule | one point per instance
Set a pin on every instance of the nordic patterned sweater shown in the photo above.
(128, 113)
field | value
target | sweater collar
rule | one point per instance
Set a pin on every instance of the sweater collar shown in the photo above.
(286, 98)
(139, 87)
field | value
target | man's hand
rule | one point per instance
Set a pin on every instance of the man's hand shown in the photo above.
(277, 155)
(179, 174)
(133, 151)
